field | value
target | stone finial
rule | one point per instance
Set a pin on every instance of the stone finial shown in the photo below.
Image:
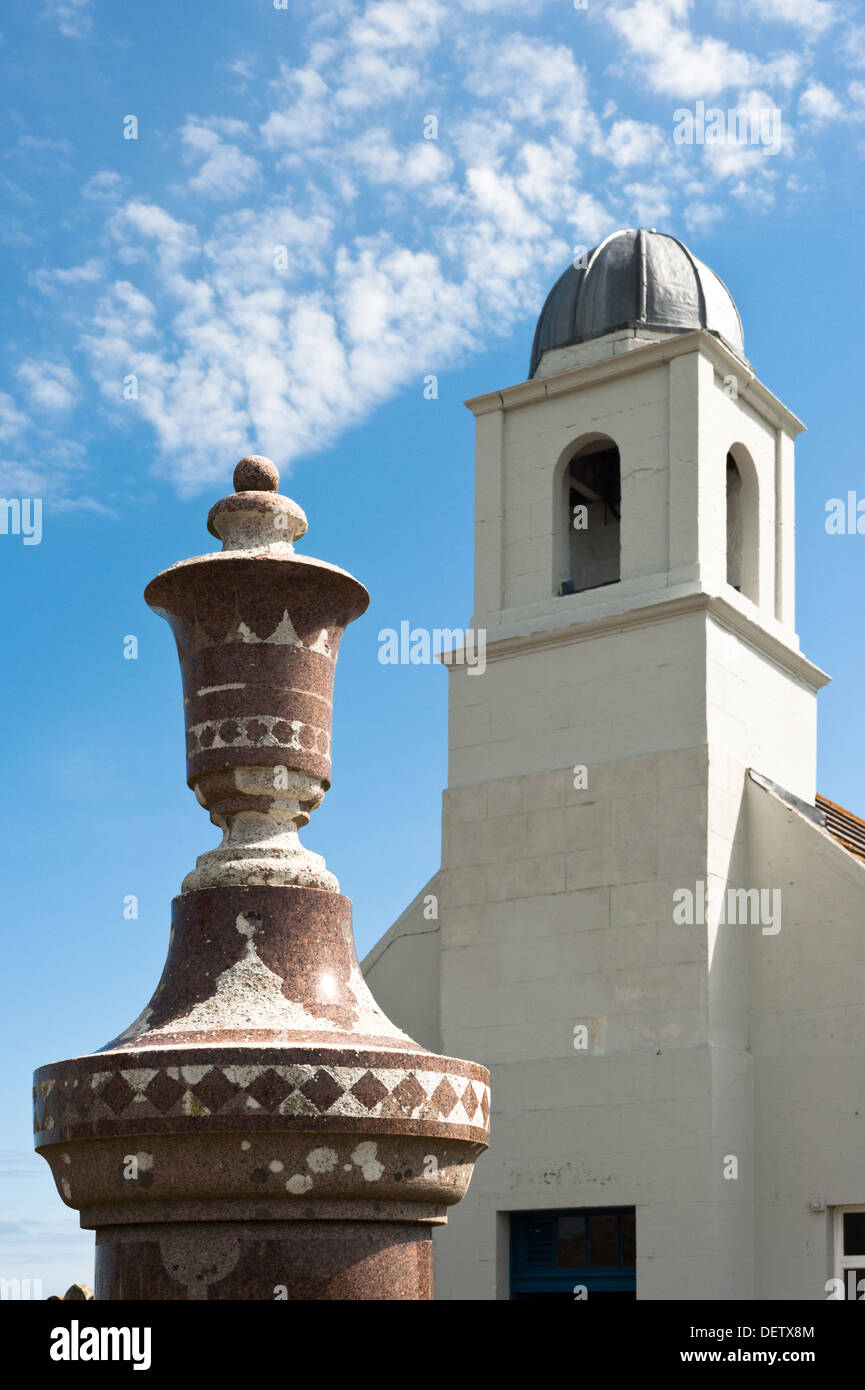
(262, 1130)
(255, 473)
(256, 517)
(258, 649)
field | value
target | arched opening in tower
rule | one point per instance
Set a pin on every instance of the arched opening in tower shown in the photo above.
(593, 493)
(735, 525)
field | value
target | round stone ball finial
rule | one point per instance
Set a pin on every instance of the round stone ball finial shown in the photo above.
(256, 516)
(256, 474)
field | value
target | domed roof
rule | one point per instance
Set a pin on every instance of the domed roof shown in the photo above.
(636, 279)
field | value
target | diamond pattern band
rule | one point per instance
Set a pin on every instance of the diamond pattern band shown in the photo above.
(294, 1090)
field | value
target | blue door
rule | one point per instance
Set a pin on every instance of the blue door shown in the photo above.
(558, 1254)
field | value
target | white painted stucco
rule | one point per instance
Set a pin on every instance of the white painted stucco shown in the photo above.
(556, 900)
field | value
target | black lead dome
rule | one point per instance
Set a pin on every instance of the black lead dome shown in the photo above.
(636, 279)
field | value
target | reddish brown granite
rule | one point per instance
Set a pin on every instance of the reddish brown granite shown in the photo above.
(267, 1260)
(304, 938)
(262, 1131)
(266, 703)
(255, 474)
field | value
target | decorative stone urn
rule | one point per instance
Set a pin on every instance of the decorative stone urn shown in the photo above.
(262, 1130)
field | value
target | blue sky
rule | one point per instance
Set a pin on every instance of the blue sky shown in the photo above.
(279, 259)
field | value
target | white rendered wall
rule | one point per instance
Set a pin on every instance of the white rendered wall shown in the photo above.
(727, 421)
(760, 714)
(807, 1026)
(556, 903)
(557, 911)
(589, 700)
(402, 969)
(674, 410)
(631, 411)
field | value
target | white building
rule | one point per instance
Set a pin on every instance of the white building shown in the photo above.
(642, 744)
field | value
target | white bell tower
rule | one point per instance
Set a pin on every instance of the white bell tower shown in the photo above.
(638, 663)
(640, 483)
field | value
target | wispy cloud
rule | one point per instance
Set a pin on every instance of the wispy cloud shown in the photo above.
(669, 58)
(821, 106)
(50, 386)
(73, 18)
(12, 420)
(812, 16)
(46, 1245)
(57, 277)
(104, 186)
(394, 199)
(225, 171)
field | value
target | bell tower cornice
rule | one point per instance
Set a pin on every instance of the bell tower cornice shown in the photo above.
(643, 356)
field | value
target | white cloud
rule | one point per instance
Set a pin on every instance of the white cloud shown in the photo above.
(650, 202)
(73, 17)
(377, 156)
(138, 222)
(591, 219)
(480, 140)
(670, 59)
(138, 311)
(281, 321)
(51, 467)
(310, 115)
(533, 82)
(497, 198)
(20, 478)
(399, 313)
(388, 25)
(85, 274)
(754, 135)
(105, 186)
(12, 420)
(814, 16)
(819, 104)
(505, 7)
(371, 79)
(59, 503)
(50, 385)
(702, 217)
(384, 44)
(234, 351)
(634, 142)
(225, 171)
(546, 176)
(240, 250)
(241, 362)
(243, 68)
